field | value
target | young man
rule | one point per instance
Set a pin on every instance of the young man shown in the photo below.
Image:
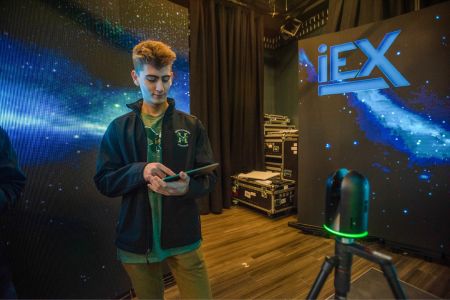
(158, 220)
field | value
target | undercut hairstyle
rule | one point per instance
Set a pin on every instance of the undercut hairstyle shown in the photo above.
(154, 53)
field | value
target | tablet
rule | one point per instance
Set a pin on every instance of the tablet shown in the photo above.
(194, 172)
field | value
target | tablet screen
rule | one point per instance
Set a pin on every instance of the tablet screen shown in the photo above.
(194, 172)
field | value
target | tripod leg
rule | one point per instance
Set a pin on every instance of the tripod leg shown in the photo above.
(327, 266)
(391, 276)
(343, 271)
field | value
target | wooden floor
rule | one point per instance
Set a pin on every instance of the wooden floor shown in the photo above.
(250, 256)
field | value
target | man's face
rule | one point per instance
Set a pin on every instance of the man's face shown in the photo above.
(154, 83)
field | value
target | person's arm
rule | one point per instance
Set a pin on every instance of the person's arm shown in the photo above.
(12, 179)
(113, 177)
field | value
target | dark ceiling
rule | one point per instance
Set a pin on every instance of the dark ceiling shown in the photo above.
(281, 8)
(276, 12)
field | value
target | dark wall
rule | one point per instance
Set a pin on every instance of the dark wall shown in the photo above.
(286, 96)
(281, 95)
(269, 81)
(280, 80)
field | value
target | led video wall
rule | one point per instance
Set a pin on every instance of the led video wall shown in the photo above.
(64, 76)
(376, 99)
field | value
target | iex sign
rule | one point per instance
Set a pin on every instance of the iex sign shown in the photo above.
(339, 81)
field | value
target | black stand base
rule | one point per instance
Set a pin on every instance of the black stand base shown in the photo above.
(342, 263)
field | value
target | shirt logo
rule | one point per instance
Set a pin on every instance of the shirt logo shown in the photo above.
(153, 139)
(357, 80)
(182, 137)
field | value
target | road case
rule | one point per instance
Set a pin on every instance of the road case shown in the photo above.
(271, 128)
(281, 154)
(272, 196)
(276, 119)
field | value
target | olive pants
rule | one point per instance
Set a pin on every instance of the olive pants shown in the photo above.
(188, 269)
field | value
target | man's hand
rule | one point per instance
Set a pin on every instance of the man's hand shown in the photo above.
(174, 188)
(156, 169)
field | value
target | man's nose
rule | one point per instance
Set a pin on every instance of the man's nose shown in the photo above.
(159, 85)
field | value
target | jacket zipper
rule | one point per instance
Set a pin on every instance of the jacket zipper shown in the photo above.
(138, 114)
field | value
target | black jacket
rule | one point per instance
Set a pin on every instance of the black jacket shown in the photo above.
(120, 164)
(12, 179)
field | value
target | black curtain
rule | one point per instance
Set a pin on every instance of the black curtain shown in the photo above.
(344, 14)
(226, 67)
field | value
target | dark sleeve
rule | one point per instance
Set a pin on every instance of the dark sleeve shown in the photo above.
(202, 185)
(113, 176)
(12, 179)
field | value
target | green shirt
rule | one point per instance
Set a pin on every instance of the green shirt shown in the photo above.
(153, 131)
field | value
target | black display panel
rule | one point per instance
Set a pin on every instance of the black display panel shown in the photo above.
(376, 99)
(64, 76)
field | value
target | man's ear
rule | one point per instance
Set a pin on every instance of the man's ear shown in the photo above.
(135, 77)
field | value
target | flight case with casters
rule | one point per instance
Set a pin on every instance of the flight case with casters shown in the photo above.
(272, 196)
(276, 119)
(280, 151)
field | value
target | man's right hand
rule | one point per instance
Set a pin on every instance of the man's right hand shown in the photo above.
(156, 169)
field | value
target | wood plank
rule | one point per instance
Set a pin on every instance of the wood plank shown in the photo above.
(250, 256)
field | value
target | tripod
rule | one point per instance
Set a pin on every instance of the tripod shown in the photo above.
(342, 262)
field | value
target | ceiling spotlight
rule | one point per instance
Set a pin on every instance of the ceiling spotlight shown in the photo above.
(290, 28)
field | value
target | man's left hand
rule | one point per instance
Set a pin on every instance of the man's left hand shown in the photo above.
(175, 188)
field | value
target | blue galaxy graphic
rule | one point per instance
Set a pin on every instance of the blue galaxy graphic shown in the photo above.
(425, 142)
(307, 65)
(53, 105)
(384, 121)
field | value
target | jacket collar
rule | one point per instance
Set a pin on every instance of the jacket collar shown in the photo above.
(137, 106)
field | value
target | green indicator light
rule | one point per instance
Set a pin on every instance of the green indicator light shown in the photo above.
(347, 235)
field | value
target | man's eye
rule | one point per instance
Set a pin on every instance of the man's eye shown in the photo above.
(166, 79)
(151, 79)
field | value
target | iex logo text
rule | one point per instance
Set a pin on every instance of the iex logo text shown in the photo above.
(341, 82)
